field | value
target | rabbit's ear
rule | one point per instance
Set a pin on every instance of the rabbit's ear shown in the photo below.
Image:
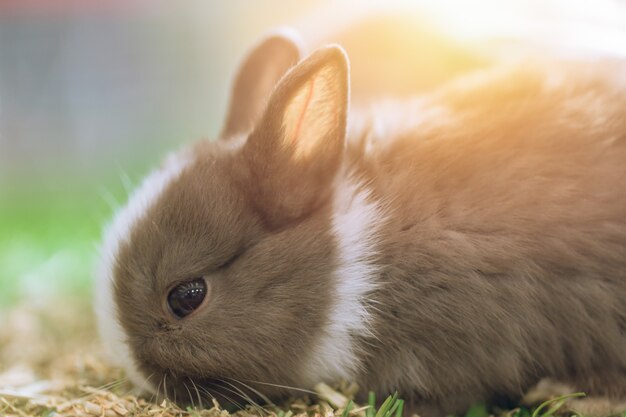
(295, 150)
(257, 76)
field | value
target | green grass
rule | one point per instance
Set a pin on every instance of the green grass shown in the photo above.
(393, 407)
(46, 245)
(49, 235)
(554, 405)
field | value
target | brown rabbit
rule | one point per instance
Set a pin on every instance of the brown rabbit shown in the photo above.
(457, 247)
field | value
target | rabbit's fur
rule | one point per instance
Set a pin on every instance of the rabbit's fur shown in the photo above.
(457, 247)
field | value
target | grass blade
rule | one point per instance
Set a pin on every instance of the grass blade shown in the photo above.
(400, 408)
(371, 401)
(393, 409)
(555, 404)
(346, 410)
(382, 411)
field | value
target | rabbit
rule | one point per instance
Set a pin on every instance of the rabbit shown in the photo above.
(456, 247)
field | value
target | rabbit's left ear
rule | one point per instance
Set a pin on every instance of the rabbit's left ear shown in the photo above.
(294, 152)
(257, 76)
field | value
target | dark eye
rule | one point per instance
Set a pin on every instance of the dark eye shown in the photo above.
(184, 298)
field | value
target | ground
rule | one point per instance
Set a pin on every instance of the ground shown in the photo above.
(51, 365)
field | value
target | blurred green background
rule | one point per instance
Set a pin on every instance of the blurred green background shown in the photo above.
(50, 230)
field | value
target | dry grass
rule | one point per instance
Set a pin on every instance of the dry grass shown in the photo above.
(51, 365)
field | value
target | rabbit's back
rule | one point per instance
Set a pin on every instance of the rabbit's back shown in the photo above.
(505, 243)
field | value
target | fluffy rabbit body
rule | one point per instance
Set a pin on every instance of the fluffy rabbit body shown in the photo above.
(456, 247)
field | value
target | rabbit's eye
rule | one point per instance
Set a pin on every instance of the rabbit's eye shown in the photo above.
(187, 297)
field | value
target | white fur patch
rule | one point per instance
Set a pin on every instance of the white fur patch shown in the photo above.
(356, 222)
(142, 199)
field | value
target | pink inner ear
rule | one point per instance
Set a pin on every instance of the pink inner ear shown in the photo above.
(296, 132)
